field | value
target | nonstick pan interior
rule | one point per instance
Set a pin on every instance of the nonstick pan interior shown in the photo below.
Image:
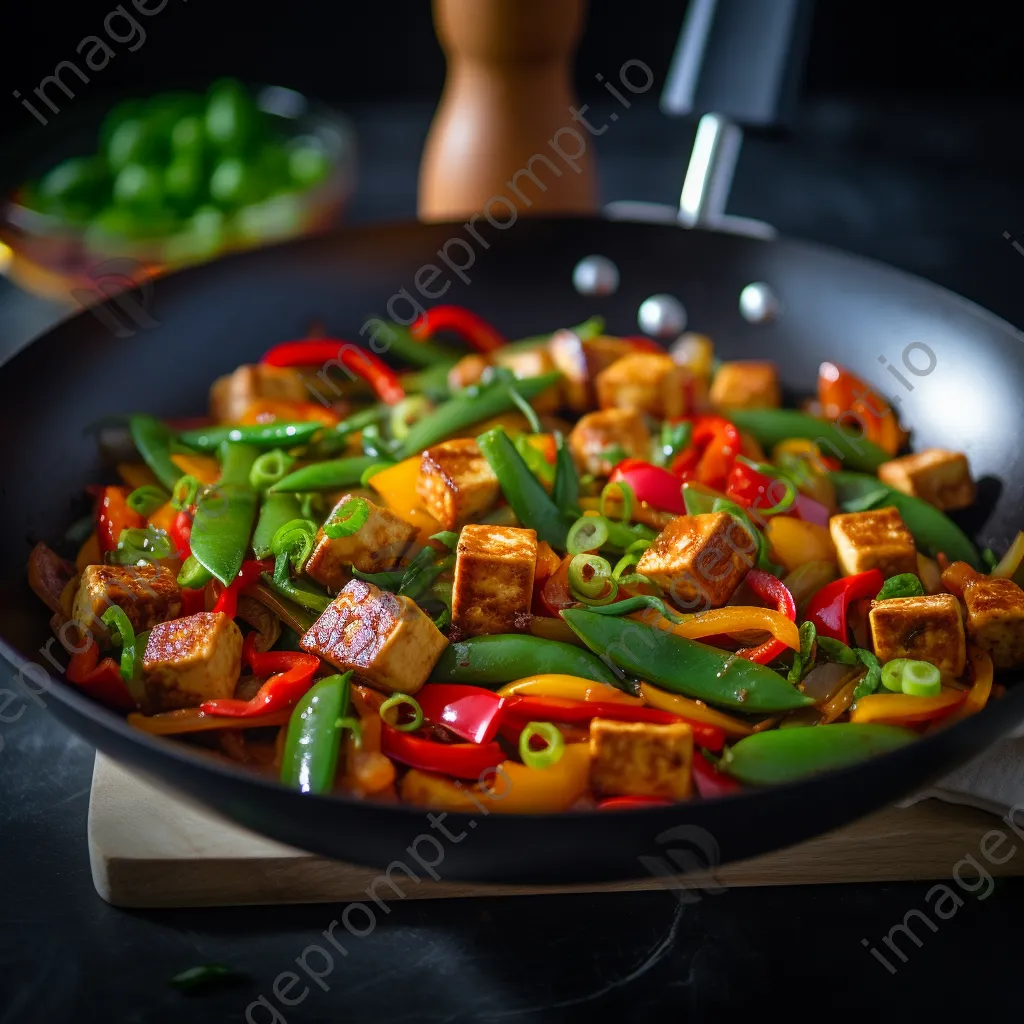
(962, 387)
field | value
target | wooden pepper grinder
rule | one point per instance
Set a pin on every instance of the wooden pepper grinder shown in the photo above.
(507, 107)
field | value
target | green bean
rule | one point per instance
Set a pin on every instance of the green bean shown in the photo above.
(153, 441)
(275, 511)
(313, 740)
(326, 476)
(267, 435)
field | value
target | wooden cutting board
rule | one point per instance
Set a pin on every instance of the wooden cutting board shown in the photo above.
(151, 849)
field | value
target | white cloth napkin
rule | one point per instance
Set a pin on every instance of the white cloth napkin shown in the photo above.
(993, 782)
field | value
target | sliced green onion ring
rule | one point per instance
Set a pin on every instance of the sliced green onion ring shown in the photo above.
(588, 533)
(591, 580)
(554, 745)
(185, 493)
(147, 499)
(921, 679)
(269, 468)
(628, 499)
(397, 700)
(892, 674)
(293, 542)
(406, 413)
(351, 723)
(348, 519)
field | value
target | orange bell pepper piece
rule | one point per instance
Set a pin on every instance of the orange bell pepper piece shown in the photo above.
(901, 709)
(205, 468)
(794, 542)
(397, 486)
(568, 688)
(734, 619)
(695, 710)
(843, 395)
(89, 553)
(163, 518)
(981, 686)
(268, 410)
(137, 474)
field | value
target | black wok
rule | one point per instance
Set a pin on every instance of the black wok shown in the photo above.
(210, 319)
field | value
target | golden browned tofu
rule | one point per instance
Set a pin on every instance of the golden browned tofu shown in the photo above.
(377, 545)
(699, 560)
(231, 395)
(928, 628)
(648, 382)
(388, 641)
(581, 361)
(456, 482)
(146, 593)
(941, 478)
(746, 384)
(599, 433)
(493, 588)
(995, 619)
(191, 660)
(641, 759)
(876, 539)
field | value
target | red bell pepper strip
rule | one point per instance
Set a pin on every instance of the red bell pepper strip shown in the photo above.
(181, 534)
(520, 710)
(710, 782)
(714, 444)
(774, 592)
(470, 712)
(249, 574)
(621, 803)
(827, 608)
(192, 601)
(844, 397)
(658, 487)
(459, 760)
(113, 515)
(100, 680)
(471, 328)
(294, 677)
(555, 593)
(753, 489)
(359, 361)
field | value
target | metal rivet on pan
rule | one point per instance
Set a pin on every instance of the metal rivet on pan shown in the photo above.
(662, 316)
(595, 275)
(758, 303)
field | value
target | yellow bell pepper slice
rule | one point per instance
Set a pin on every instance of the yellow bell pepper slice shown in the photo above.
(982, 672)
(137, 474)
(205, 468)
(694, 710)
(569, 687)
(734, 619)
(902, 709)
(89, 553)
(516, 789)
(397, 486)
(794, 542)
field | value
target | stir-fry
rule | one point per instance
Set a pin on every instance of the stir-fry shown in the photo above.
(566, 572)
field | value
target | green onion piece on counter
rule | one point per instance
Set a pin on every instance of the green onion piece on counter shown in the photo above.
(348, 518)
(147, 499)
(566, 491)
(123, 633)
(371, 471)
(785, 755)
(266, 435)
(634, 604)
(396, 701)
(275, 511)
(684, 666)
(921, 679)
(627, 496)
(588, 533)
(803, 660)
(141, 544)
(906, 584)
(313, 741)
(892, 674)
(550, 754)
(185, 493)
(270, 468)
(591, 580)
(193, 575)
(153, 441)
(327, 476)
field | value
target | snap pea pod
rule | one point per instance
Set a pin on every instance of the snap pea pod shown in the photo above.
(312, 743)
(326, 476)
(770, 426)
(524, 492)
(468, 407)
(266, 435)
(399, 342)
(299, 592)
(785, 755)
(933, 530)
(153, 441)
(275, 511)
(492, 661)
(685, 666)
(566, 491)
(225, 514)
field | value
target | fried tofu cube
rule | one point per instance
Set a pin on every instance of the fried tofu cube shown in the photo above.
(941, 478)
(928, 628)
(995, 619)
(746, 384)
(598, 434)
(699, 560)
(377, 545)
(641, 759)
(388, 641)
(191, 660)
(648, 382)
(146, 593)
(875, 539)
(493, 587)
(232, 394)
(580, 362)
(456, 483)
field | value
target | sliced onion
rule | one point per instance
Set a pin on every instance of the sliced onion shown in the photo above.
(825, 681)
(1011, 561)
(48, 575)
(262, 619)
